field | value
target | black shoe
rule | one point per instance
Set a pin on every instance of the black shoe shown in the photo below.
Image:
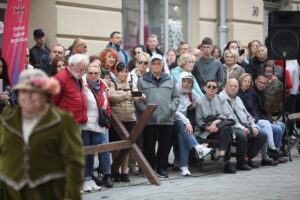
(243, 167)
(252, 164)
(125, 178)
(229, 169)
(117, 177)
(281, 159)
(176, 166)
(97, 180)
(162, 173)
(268, 162)
(107, 181)
(274, 153)
(220, 158)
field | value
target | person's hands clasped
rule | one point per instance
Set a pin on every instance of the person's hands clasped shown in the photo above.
(255, 132)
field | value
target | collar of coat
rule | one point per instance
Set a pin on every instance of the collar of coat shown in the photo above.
(13, 120)
(149, 78)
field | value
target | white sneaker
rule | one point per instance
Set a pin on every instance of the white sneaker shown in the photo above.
(94, 186)
(202, 151)
(185, 171)
(86, 186)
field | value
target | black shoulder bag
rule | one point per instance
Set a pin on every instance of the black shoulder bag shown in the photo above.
(104, 119)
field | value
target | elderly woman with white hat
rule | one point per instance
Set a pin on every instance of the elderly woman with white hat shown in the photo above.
(41, 152)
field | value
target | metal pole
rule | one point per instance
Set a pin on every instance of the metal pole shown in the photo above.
(222, 26)
(166, 22)
(189, 18)
(141, 33)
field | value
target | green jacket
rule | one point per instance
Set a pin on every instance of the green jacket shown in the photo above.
(54, 151)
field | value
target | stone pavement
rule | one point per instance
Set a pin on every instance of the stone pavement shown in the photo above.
(281, 182)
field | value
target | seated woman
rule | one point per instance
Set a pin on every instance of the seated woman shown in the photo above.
(183, 126)
(212, 106)
(122, 105)
(245, 83)
(186, 63)
(274, 86)
(231, 68)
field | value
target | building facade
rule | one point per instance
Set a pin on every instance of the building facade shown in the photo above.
(171, 20)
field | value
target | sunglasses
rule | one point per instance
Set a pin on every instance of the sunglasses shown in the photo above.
(212, 87)
(93, 73)
(143, 62)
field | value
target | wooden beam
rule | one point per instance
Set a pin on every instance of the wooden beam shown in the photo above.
(141, 123)
(112, 146)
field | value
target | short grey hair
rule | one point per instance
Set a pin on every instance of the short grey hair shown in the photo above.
(233, 52)
(185, 58)
(76, 59)
(143, 54)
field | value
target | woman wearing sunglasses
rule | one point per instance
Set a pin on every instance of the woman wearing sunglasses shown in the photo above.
(212, 106)
(141, 68)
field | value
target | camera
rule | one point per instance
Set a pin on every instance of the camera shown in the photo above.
(241, 52)
(136, 93)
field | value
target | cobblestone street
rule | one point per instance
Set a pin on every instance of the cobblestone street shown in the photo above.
(281, 182)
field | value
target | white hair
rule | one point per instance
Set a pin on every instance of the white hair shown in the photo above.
(76, 59)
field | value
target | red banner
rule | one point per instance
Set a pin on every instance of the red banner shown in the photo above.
(15, 37)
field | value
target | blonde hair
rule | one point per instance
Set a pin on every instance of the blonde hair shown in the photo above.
(233, 52)
(184, 59)
(242, 78)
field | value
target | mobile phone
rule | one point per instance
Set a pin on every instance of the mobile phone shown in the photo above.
(242, 52)
(1, 85)
(107, 74)
(136, 93)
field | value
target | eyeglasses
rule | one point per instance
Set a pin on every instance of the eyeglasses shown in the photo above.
(137, 52)
(143, 62)
(212, 87)
(93, 73)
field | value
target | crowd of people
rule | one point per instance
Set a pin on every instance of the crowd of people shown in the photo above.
(222, 96)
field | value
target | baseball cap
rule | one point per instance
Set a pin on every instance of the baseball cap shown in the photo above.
(38, 33)
(156, 56)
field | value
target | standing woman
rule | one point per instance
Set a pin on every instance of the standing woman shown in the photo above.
(141, 68)
(252, 47)
(58, 64)
(231, 68)
(43, 141)
(97, 98)
(109, 59)
(122, 105)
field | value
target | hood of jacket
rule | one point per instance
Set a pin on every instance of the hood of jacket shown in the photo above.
(184, 75)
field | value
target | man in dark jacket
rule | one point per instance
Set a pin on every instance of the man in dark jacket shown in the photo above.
(257, 93)
(152, 45)
(39, 54)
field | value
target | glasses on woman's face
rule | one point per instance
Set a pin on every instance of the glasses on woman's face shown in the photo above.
(137, 52)
(93, 73)
(143, 62)
(212, 87)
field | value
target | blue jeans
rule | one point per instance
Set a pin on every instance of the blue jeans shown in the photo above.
(94, 138)
(185, 141)
(278, 130)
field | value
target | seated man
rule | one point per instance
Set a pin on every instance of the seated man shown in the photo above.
(249, 137)
(183, 126)
(210, 111)
(258, 96)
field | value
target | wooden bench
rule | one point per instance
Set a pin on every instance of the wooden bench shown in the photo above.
(128, 145)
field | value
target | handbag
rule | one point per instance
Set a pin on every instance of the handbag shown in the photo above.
(225, 122)
(104, 119)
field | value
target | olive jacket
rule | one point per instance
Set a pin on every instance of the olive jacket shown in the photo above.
(54, 152)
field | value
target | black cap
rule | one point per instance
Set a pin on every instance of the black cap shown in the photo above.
(38, 33)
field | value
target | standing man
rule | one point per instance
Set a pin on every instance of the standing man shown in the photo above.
(72, 95)
(160, 89)
(152, 45)
(115, 42)
(79, 46)
(39, 54)
(208, 67)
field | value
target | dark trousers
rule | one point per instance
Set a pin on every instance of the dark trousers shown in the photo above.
(224, 135)
(248, 145)
(162, 133)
